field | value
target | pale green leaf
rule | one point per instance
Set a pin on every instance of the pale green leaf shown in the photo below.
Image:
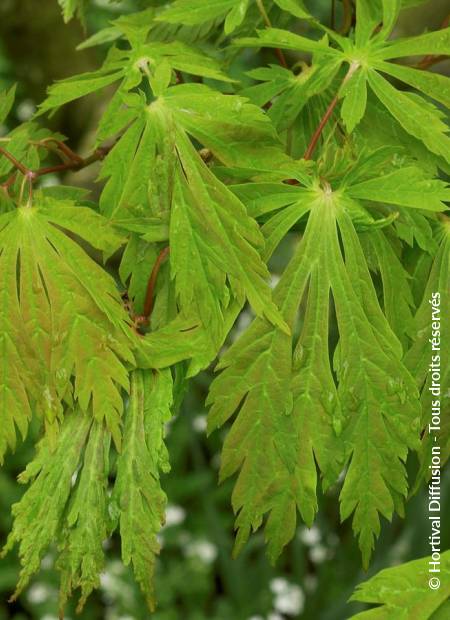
(277, 472)
(391, 10)
(237, 132)
(402, 592)
(437, 43)
(295, 7)
(191, 12)
(397, 295)
(6, 102)
(212, 236)
(38, 514)
(408, 187)
(434, 85)
(138, 499)
(355, 99)
(72, 7)
(376, 392)
(64, 91)
(418, 119)
(86, 523)
(236, 16)
(71, 317)
(274, 37)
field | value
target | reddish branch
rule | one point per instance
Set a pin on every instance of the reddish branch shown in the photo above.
(75, 163)
(23, 169)
(149, 296)
(61, 149)
(78, 164)
(430, 60)
(328, 113)
(278, 52)
(325, 118)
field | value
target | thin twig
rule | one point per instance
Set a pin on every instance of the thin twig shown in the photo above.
(81, 162)
(348, 17)
(60, 147)
(329, 111)
(266, 18)
(23, 169)
(149, 296)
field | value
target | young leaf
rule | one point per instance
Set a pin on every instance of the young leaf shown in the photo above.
(191, 12)
(355, 100)
(432, 316)
(277, 472)
(295, 7)
(6, 102)
(72, 7)
(72, 320)
(397, 296)
(413, 116)
(38, 515)
(403, 592)
(408, 187)
(437, 43)
(366, 362)
(138, 499)
(85, 526)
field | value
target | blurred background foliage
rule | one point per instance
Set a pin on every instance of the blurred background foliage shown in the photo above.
(196, 577)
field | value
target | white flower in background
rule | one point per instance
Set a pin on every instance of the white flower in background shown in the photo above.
(274, 616)
(310, 536)
(174, 515)
(39, 593)
(255, 618)
(279, 585)
(318, 554)
(203, 550)
(25, 110)
(289, 597)
(199, 423)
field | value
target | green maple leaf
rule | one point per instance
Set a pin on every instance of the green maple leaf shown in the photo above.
(70, 8)
(418, 359)
(279, 394)
(214, 244)
(193, 12)
(86, 523)
(61, 319)
(129, 67)
(232, 12)
(403, 592)
(138, 499)
(289, 92)
(366, 57)
(38, 515)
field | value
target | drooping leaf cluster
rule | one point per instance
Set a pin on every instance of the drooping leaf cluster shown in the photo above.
(206, 171)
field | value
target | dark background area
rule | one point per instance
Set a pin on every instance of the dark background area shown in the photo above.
(196, 577)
